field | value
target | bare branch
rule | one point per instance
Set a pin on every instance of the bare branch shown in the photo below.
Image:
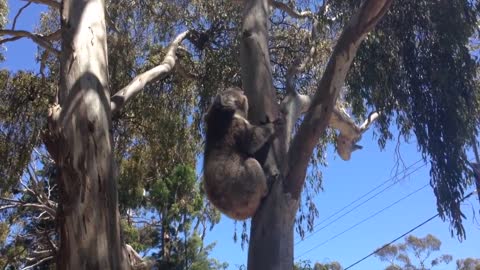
(350, 133)
(12, 203)
(42, 253)
(37, 38)
(294, 104)
(139, 82)
(18, 14)
(49, 210)
(323, 103)
(371, 118)
(136, 261)
(54, 36)
(290, 11)
(38, 263)
(51, 3)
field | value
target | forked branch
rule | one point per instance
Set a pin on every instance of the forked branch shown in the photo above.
(138, 83)
(323, 103)
(350, 133)
(41, 40)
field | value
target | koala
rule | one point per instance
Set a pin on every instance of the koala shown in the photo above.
(233, 179)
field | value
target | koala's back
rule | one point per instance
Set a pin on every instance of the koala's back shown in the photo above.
(234, 182)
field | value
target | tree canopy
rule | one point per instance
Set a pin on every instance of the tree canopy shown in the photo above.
(417, 67)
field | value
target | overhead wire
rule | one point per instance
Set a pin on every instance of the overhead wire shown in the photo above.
(362, 221)
(365, 201)
(403, 235)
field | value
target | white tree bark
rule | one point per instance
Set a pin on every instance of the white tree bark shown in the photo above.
(80, 141)
(323, 102)
(139, 82)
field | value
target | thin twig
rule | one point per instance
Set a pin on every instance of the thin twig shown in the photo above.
(38, 263)
(18, 14)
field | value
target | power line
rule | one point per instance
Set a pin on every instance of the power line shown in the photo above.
(403, 235)
(393, 241)
(363, 220)
(364, 202)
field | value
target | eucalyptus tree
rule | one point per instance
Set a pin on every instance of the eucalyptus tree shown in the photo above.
(408, 63)
(414, 253)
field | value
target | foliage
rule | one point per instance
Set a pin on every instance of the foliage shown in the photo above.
(399, 256)
(28, 234)
(468, 264)
(23, 104)
(417, 69)
(306, 265)
(193, 255)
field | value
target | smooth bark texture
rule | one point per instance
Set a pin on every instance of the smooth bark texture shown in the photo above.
(319, 114)
(81, 143)
(139, 82)
(271, 235)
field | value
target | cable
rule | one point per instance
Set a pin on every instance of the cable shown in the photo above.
(403, 235)
(361, 197)
(362, 221)
(393, 241)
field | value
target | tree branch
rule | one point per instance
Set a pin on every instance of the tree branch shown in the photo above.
(49, 210)
(136, 261)
(12, 203)
(38, 263)
(323, 103)
(54, 36)
(294, 104)
(290, 11)
(18, 14)
(41, 40)
(51, 3)
(139, 82)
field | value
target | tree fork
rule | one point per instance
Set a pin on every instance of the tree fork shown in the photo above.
(271, 235)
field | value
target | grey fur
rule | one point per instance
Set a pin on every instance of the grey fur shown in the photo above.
(234, 180)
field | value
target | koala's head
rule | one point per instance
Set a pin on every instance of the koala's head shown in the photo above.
(233, 99)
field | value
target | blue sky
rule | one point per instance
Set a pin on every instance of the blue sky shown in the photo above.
(343, 183)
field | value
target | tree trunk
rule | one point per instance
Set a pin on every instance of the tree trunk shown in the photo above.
(81, 144)
(271, 235)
